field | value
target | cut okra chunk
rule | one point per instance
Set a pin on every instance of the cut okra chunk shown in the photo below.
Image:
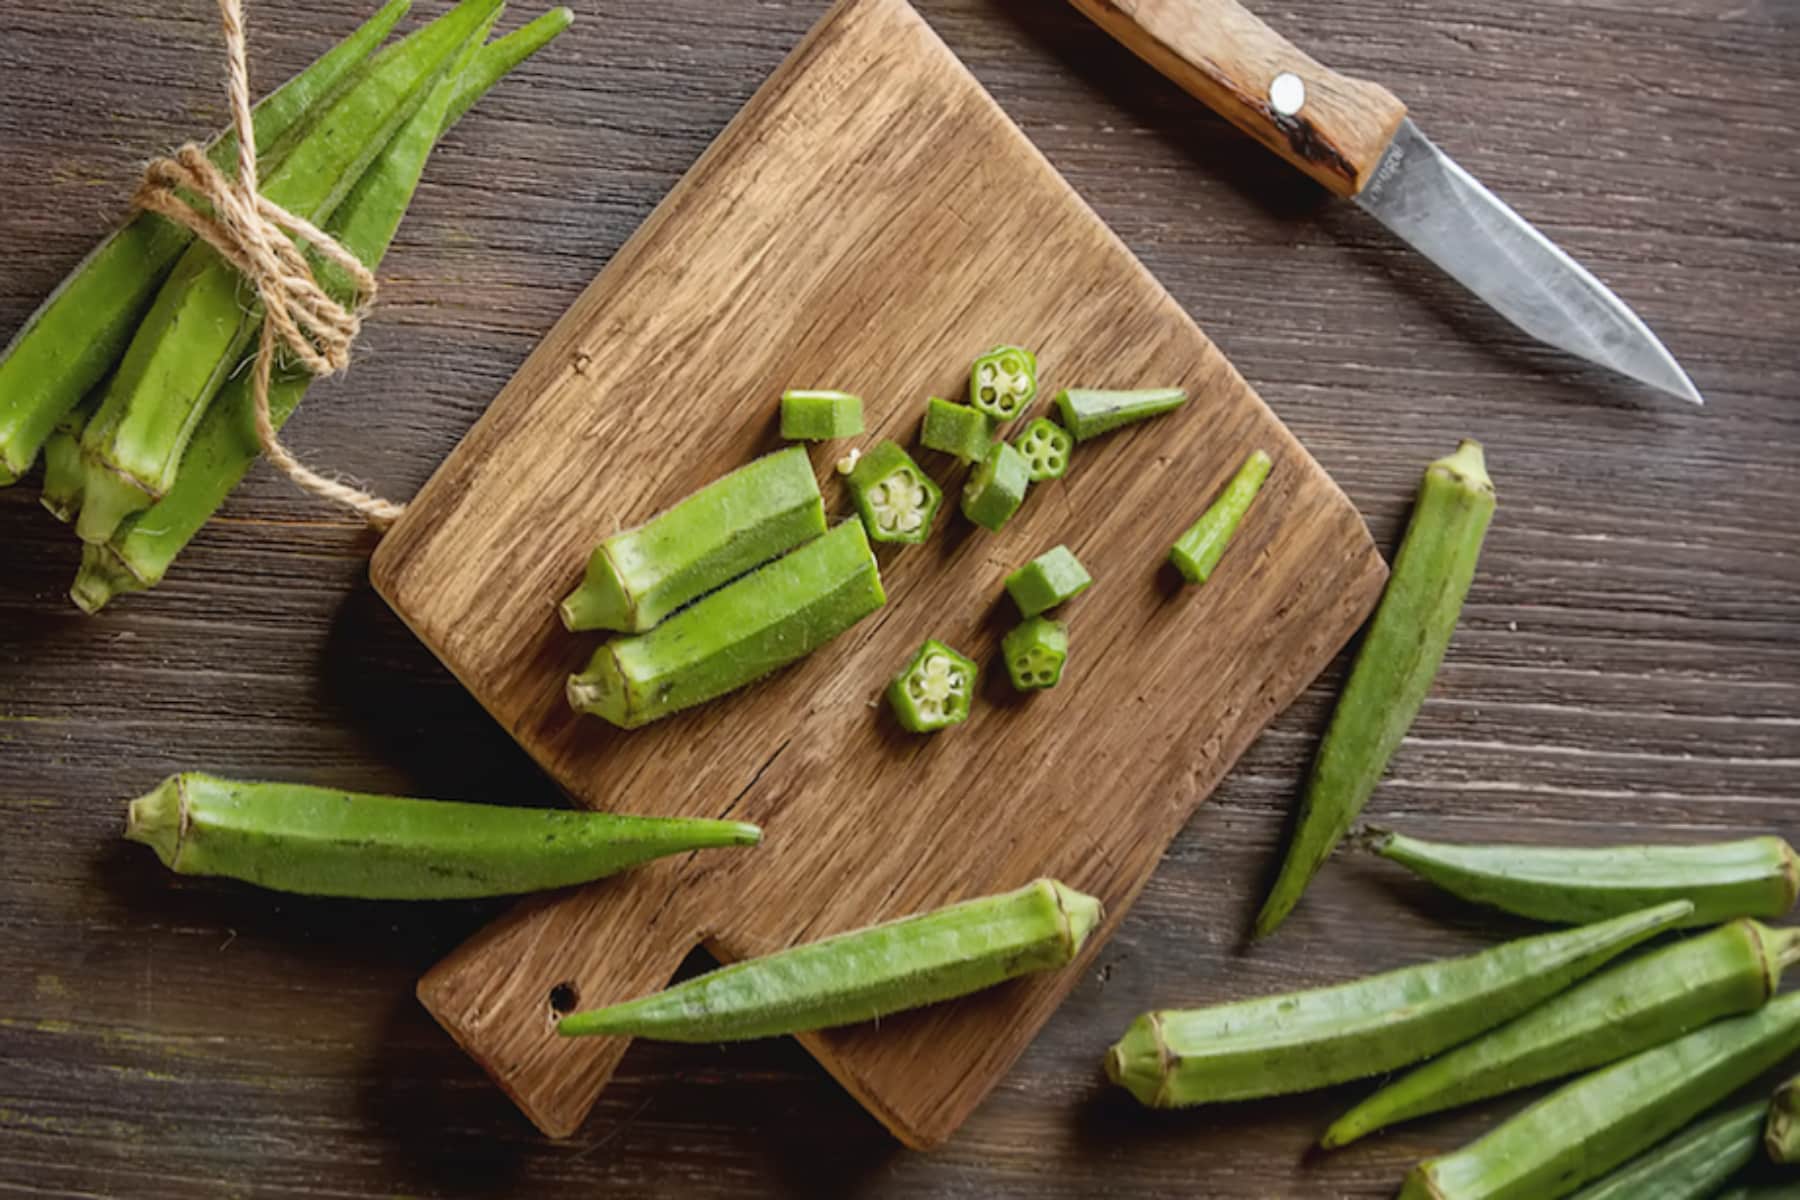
(1089, 412)
(897, 500)
(1035, 652)
(956, 430)
(934, 690)
(996, 488)
(820, 416)
(1003, 381)
(1047, 580)
(1046, 446)
(1198, 551)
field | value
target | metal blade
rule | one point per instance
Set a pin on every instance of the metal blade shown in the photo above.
(1420, 193)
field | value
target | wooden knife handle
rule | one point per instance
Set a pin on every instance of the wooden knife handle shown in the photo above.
(1330, 126)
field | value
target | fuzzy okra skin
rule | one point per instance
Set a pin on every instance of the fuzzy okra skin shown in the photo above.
(864, 974)
(996, 488)
(1304, 1040)
(638, 576)
(896, 499)
(322, 842)
(962, 432)
(1692, 1165)
(224, 445)
(1782, 1133)
(1752, 877)
(64, 350)
(1089, 412)
(778, 613)
(1650, 1000)
(1399, 658)
(195, 333)
(1589, 1126)
(1046, 581)
(819, 415)
(1197, 551)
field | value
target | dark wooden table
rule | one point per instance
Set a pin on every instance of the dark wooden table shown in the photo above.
(1628, 665)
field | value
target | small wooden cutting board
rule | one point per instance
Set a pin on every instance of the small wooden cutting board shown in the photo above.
(871, 221)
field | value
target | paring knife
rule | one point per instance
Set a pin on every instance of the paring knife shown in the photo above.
(1355, 138)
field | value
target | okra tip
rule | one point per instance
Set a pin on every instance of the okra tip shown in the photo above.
(1082, 912)
(1140, 1062)
(158, 819)
(1468, 466)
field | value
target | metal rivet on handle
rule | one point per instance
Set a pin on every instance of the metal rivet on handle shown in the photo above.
(1287, 93)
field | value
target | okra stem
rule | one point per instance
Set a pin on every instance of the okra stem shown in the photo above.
(1399, 658)
(1198, 551)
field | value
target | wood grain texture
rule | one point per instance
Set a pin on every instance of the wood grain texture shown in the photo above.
(1628, 665)
(872, 221)
(1224, 55)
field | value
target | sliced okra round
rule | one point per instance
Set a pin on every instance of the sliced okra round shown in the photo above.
(956, 429)
(1046, 581)
(896, 498)
(1035, 652)
(1046, 447)
(996, 488)
(818, 415)
(1003, 381)
(934, 690)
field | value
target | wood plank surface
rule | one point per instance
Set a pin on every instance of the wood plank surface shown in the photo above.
(1628, 665)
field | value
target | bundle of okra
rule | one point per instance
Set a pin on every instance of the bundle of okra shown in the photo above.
(127, 379)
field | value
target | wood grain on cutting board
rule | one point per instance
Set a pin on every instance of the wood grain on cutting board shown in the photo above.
(871, 221)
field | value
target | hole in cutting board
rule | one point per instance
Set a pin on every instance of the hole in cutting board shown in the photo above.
(563, 999)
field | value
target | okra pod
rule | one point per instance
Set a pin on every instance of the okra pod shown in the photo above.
(63, 476)
(1782, 1133)
(64, 350)
(1399, 658)
(1312, 1039)
(638, 576)
(1762, 1191)
(1046, 581)
(225, 442)
(1753, 877)
(1089, 412)
(820, 415)
(1046, 447)
(323, 842)
(957, 430)
(1003, 381)
(1035, 651)
(934, 689)
(1198, 551)
(895, 498)
(996, 488)
(1692, 1165)
(864, 974)
(195, 333)
(1590, 1126)
(1646, 1002)
(780, 612)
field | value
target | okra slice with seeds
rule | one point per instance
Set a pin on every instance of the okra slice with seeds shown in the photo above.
(933, 691)
(995, 489)
(1198, 551)
(957, 430)
(864, 974)
(897, 500)
(1782, 1133)
(1089, 412)
(1035, 652)
(757, 624)
(1692, 1165)
(638, 576)
(816, 415)
(1046, 447)
(1003, 381)
(1048, 580)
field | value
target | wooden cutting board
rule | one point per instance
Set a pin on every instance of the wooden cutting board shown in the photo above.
(870, 221)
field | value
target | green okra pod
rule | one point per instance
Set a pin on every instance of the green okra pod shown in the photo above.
(1782, 1133)
(1648, 1001)
(323, 842)
(1692, 1165)
(63, 475)
(956, 429)
(1312, 1039)
(819, 415)
(1399, 657)
(896, 499)
(1046, 581)
(933, 691)
(996, 487)
(65, 349)
(1752, 877)
(638, 576)
(1589, 1126)
(864, 974)
(1089, 412)
(778, 613)
(1198, 551)
(1762, 1191)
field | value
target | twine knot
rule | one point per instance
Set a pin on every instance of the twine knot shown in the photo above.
(258, 238)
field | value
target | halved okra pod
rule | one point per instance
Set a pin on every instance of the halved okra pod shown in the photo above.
(1035, 651)
(897, 500)
(1782, 1133)
(995, 489)
(323, 842)
(957, 430)
(1198, 551)
(1752, 877)
(1586, 1128)
(1648, 1001)
(1003, 381)
(1312, 1039)
(934, 690)
(819, 415)
(778, 613)
(638, 576)
(864, 974)
(1692, 1165)
(1046, 447)
(1089, 412)
(1399, 658)
(1046, 581)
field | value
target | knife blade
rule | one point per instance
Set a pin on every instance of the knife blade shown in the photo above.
(1355, 137)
